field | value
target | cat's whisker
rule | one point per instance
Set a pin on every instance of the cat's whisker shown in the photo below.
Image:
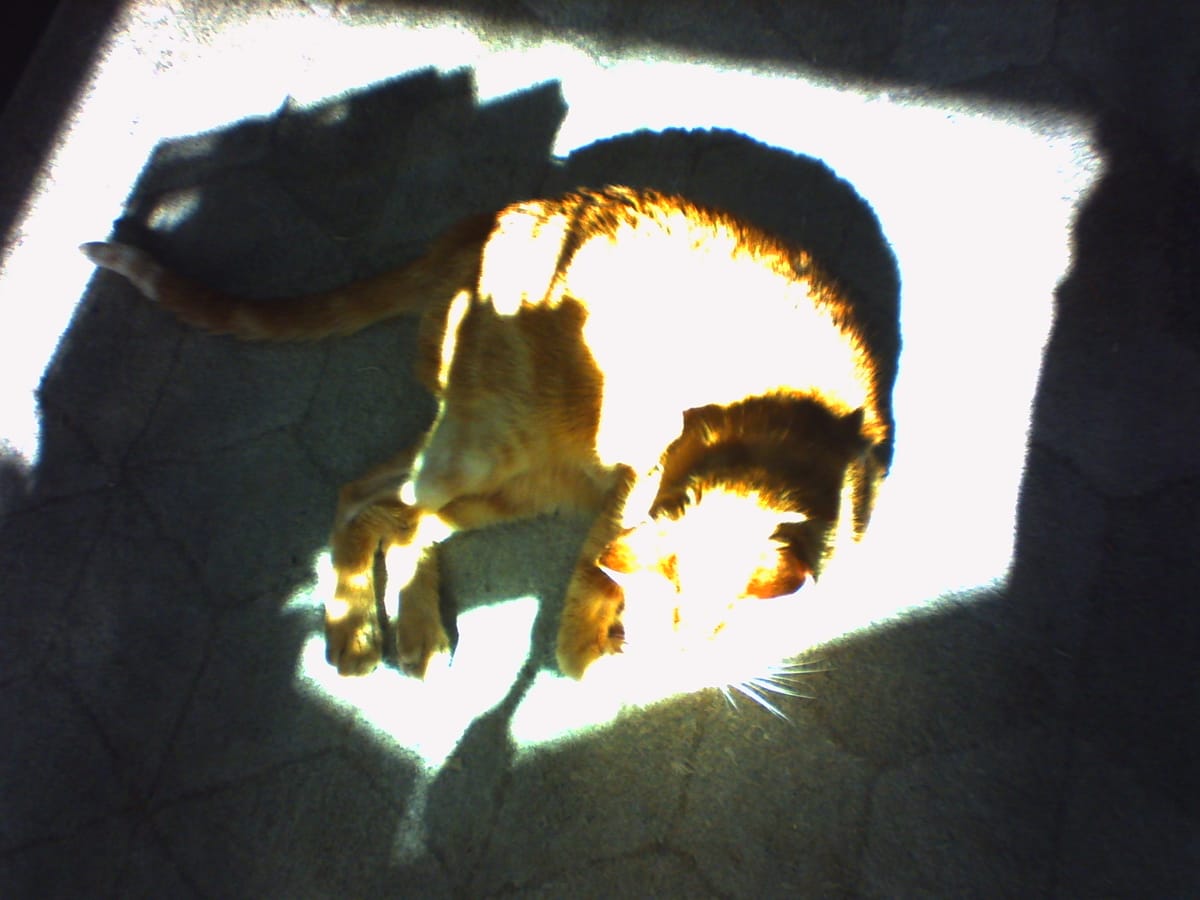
(800, 667)
(724, 688)
(753, 691)
(775, 687)
(779, 679)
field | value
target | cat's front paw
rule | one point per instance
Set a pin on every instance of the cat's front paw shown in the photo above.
(419, 637)
(353, 642)
(591, 624)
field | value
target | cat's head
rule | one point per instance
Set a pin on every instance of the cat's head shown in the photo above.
(691, 576)
(748, 509)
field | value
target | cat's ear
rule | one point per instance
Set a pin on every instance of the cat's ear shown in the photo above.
(797, 545)
(785, 576)
(619, 562)
(619, 556)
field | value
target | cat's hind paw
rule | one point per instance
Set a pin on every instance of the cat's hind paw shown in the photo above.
(591, 624)
(353, 643)
(577, 652)
(419, 638)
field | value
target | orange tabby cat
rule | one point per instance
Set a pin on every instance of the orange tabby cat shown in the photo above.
(698, 386)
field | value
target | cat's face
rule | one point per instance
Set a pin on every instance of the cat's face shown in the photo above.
(693, 576)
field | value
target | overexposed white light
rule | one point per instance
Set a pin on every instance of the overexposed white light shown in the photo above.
(977, 205)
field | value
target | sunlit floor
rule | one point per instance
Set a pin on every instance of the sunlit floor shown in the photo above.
(977, 203)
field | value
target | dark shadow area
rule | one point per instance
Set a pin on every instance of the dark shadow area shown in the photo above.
(40, 103)
(19, 43)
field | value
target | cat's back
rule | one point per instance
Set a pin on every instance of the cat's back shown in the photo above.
(704, 307)
(683, 306)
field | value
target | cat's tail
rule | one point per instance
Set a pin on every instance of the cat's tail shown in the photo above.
(450, 265)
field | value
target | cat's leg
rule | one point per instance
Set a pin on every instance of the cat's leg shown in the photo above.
(591, 620)
(368, 518)
(353, 640)
(420, 634)
(411, 560)
(591, 615)
(408, 537)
